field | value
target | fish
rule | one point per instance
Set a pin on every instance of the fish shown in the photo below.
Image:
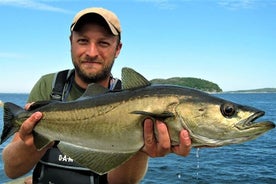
(103, 129)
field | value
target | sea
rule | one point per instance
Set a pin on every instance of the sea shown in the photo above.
(253, 162)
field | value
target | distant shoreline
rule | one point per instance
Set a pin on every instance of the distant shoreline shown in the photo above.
(261, 90)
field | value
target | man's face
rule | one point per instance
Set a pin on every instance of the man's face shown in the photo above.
(93, 51)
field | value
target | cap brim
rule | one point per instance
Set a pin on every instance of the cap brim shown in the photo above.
(80, 21)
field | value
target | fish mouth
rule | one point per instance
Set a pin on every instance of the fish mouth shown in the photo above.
(250, 122)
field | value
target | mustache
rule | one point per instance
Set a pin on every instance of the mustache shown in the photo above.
(90, 59)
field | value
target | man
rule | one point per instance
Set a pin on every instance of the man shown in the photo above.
(95, 44)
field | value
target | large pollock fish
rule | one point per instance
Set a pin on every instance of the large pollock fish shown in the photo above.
(103, 129)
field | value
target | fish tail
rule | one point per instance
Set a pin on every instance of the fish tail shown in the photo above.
(11, 111)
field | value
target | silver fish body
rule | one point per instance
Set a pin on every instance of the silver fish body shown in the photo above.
(103, 129)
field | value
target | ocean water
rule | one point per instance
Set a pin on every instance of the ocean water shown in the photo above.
(250, 162)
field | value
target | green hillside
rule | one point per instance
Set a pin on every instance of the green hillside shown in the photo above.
(191, 82)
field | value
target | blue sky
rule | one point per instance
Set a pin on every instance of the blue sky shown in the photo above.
(229, 42)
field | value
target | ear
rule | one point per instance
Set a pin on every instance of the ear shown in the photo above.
(118, 49)
(70, 38)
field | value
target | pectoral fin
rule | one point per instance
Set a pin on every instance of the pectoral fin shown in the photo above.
(161, 116)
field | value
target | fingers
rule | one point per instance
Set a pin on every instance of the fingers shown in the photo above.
(28, 105)
(185, 144)
(161, 145)
(149, 139)
(164, 142)
(25, 131)
(156, 147)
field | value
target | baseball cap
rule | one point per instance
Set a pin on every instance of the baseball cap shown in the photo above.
(109, 17)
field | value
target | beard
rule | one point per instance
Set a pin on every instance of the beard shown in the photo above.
(93, 77)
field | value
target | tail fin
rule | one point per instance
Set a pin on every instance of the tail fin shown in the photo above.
(10, 127)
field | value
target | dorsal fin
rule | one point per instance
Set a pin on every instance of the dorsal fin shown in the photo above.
(94, 89)
(132, 79)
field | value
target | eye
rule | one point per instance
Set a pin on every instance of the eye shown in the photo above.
(228, 110)
(104, 43)
(82, 41)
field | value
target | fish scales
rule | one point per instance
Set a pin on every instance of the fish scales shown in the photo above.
(103, 129)
(117, 127)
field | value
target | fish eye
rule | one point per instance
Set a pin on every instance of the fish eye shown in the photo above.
(228, 110)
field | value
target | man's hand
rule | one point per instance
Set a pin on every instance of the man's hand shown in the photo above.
(163, 146)
(25, 131)
(21, 155)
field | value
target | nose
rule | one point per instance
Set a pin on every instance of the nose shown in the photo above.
(92, 50)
